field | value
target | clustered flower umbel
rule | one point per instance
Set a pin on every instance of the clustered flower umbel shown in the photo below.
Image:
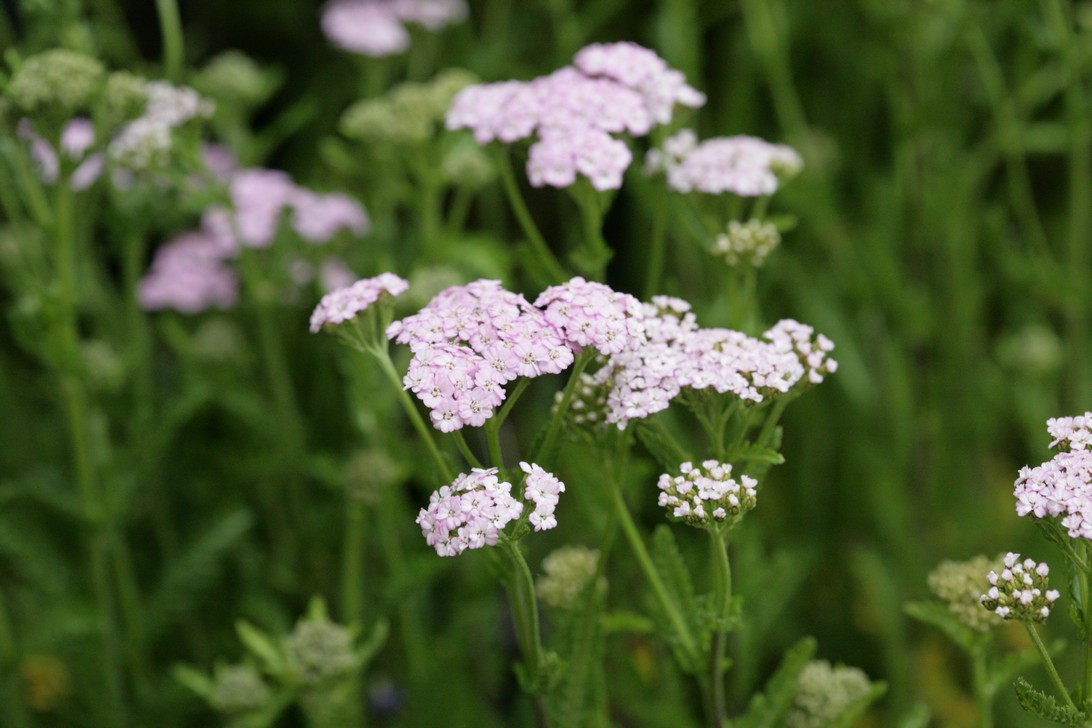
(377, 28)
(747, 243)
(1020, 591)
(959, 585)
(471, 512)
(743, 165)
(470, 341)
(568, 571)
(146, 141)
(707, 493)
(823, 692)
(191, 272)
(612, 88)
(1062, 486)
(678, 355)
(344, 304)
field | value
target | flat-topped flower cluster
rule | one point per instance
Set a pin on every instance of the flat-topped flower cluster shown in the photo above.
(1020, 591)
(1062, 486)
(743, 165)
(707, 493)
(615, 88)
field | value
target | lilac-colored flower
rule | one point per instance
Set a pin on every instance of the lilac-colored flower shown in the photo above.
(707, 493)
(377, 27)
(259, 197)
(335, 274)
(318, 218)
(613, 89)
(544, 490)
(469, 513)
(743, 165)
(812, 349)
(189, 275)
(593, 314)
(344, 304)
(1071, 433)
(77, 138)
(1062, 487)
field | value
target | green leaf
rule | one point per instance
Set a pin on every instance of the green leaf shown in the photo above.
(374, 643)
(261, 646)
(661, 444)
(1006, 669)
(194, 572)
(673, 571)
(918, 717)
(1045, 706)
(938, 615)
(849, 715)
(752, 453)
(195, 680)
(627, 623)
(769, 708)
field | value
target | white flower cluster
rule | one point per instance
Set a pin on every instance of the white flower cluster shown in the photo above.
(544, 490)
(812, 349)
(469, 513)
(707, 493)
(344, 304)
(743, 165)
(747, 243)
(1071, 433)
(145, 142)
(1020, 591)
(377, 28)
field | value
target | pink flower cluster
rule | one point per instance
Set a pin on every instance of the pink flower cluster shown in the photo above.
(260, 198)
(470, 341)
(812, 349)
(378, 27)
(1061, 486)
(544, 490)
(679, 355)
(77, 137)
(1020, 591)
(1071, 433)
(469, 513)
(743, 165)
(707, 493)
(344, 304)
(611, 89)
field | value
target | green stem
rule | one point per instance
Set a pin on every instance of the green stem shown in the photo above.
(772, 419)
(352, 564)
(657, 248)
(468, 455)
(596, 251)
(582, 360)
(644, 560)
(982, 693)
(170, 27)
(1086, 598)
(459, 211)
(553, 269)
(521, 595)
(385, 363)
(492, 441)
(766, 41)
(410, 625)
(1048, 663)
(510, 401)
(722, 597)
(10, 685)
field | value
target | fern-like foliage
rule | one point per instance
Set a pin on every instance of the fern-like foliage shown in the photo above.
(1045, 706)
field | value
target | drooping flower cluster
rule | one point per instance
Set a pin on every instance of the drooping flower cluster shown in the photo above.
(611, 89)
(470, 341)
(747, 243)
(1020, 591)
(469, 513)
(377, 28)
(593, 314)
(341, 305)
(680, 355)
(743, 165)
(824, 692)
(1071, 433)
(191, 272)
(959, 585)
(544, 490)
(707, 493)
(568, 571)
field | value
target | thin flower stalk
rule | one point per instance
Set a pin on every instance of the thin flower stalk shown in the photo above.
(1048, 665)
(552, 271)
(170, 27)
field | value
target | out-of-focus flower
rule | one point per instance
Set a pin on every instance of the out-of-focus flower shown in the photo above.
(238, 689)
(743, 165)
(77, 137)
(410, 114)
(319, 651)
(344, 304)
(146, 142)
(1020, 591)
(707, 494)
(57, 82)
(618, 88)
(234, 78)
(959, 585)
(378, 27)
(189, 274)
(569, 570)
(823, 691)
(747, 243)
(469, 513)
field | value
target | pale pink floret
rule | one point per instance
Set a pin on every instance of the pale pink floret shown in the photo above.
(593, 314)
(344, 304)
(1062, 487)
(544, 490)
(318, 218)
(377, 27)
(468, 514)
(1071, 433)
(189, 275)
(743, 165)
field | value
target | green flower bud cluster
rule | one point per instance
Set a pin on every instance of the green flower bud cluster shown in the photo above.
(588, 405)
(748, 243)
(959, 585)
(467, 165)
(57, 81)
(124, 96)
(1020, 590)
(238, 689)
(569, 570)
(823, 691)
(234, 79)
(367, 473)
(319, 651)
(408, 115)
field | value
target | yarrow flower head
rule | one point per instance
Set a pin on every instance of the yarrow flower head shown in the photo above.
(469, 513)
(238, 689)
(146, 142)
(811, 348)
(747, 243)
(958, 584)
(743, 165)
(377, 28)
(319, 651)
(569, 570)
(1020, 591)
(1062, 487)
(544, 490)
(409, 114)
(824, 691)
(470, 341)
(611, 89)
(189, 274)
(593, 314)
(344, 304)
(58, 81)
(1071, 433)
(707, 494)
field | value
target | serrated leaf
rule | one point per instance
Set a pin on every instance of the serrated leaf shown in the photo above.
(768, 708)
(675, 575)
(1045, 706)
(661, 444)
(193, 572)
(937, 614)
